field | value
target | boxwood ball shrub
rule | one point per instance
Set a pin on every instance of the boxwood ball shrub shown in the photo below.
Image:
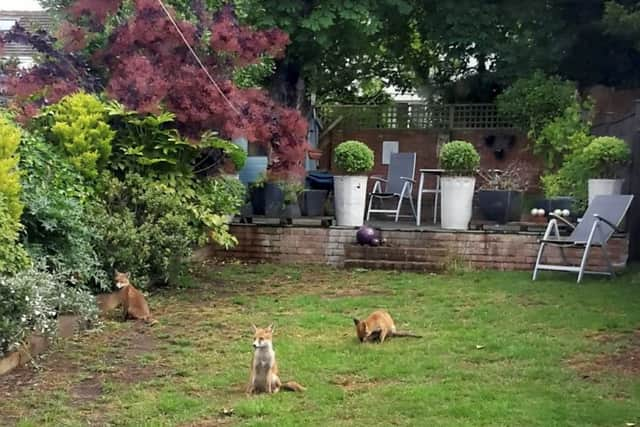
(459, 158)
(353, 157)
(606, 157)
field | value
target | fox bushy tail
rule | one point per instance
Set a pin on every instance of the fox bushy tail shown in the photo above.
(292, 386)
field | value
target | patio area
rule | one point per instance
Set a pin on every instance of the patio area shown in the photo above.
(407, 247)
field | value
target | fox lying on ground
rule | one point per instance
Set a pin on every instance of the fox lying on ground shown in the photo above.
(134, 305)
(264, 369)
(378, 326)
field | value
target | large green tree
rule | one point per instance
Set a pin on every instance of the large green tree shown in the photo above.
(338, 47)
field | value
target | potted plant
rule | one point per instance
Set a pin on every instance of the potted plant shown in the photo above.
(500, 195)
(354, 159)
(606, 159)
(312, 202)
(281, 199)
(459, 159)
(257, 194)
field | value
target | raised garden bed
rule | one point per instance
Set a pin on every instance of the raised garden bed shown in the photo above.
(68, 325)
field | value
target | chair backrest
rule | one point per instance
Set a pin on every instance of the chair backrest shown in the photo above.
(613, 208)
(400, 165)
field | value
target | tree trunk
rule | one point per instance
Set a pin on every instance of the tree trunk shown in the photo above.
(287, 86)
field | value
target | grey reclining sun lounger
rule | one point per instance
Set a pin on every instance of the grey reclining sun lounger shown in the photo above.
(600, 221)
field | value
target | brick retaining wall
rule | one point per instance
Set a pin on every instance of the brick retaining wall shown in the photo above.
(425, 250)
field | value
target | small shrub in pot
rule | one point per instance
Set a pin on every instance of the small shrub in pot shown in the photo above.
(459, 159)
(354, 159)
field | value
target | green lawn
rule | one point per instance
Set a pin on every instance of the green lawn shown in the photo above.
(498, 350)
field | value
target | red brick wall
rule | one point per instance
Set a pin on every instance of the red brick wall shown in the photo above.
(406, 250)
(424, 143)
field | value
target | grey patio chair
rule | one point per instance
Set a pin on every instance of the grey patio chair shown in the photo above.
(600, 221)
(397, 186)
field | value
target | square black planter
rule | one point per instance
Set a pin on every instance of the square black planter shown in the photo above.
(501, 206)
(312, 202)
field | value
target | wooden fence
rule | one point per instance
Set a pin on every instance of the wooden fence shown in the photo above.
(413, 116)
(628, 128)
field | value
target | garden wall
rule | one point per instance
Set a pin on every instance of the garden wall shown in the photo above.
(423, 250)
(425, 143)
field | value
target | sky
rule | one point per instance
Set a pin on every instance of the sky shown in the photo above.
(19, 5)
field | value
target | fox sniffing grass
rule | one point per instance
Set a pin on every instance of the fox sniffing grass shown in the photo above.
(133, 303)
(264, 368)
(378, 326)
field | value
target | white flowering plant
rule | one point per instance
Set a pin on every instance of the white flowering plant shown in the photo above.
(31, 301)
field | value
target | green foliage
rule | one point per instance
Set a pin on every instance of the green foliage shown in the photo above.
(291, 191)
(254, 75)
(570, 180)
(603, 157)
(78, 123)
(149, 227)
(562, 136)
(12, 255)
(149, 144)
(56, 219)
(31, 300)
(532, 102)
(622, 21)
(606, 157)
(229, 150)
(353, 157)
(223, 195)
(459, 157)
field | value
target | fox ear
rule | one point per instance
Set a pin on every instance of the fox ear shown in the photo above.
(271, 328)
(355, 321)
(253, 328)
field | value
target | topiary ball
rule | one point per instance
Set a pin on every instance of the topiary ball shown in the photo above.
(365, 235)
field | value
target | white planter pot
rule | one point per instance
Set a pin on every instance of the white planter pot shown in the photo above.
(604, 187)
(457, 201)
(350, 195)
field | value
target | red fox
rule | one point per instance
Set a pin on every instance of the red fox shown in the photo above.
(379, 325)
(264, 369)
(133, 303)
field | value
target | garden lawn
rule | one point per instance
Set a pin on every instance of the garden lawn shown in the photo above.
(498, 350)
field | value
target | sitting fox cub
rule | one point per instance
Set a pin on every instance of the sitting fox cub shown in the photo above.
(379, 325)
(264, 369)
(134, 306)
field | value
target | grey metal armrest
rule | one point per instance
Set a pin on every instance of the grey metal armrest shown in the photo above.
(606, 221)
(573, 227)
(379, 178)
(408, 179)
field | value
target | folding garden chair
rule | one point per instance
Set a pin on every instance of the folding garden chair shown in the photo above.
(397, 186)
(602, 218)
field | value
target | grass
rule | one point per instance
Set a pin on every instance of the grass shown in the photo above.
(498, 350)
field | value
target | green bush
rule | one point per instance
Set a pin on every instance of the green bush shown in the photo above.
(78, 123)
(56, 222)
(606, 157)
(459, 158)
(31, 300)
(562, 137)
(353, 157)
(12, 255)
(532, 102)
(149, 227)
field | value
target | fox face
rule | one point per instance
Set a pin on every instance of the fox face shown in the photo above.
(262, 337)
(121, 279)
(362, 330)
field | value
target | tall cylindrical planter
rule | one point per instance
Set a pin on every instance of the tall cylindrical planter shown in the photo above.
(350, 199)
(604, 187)
(457, 201)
